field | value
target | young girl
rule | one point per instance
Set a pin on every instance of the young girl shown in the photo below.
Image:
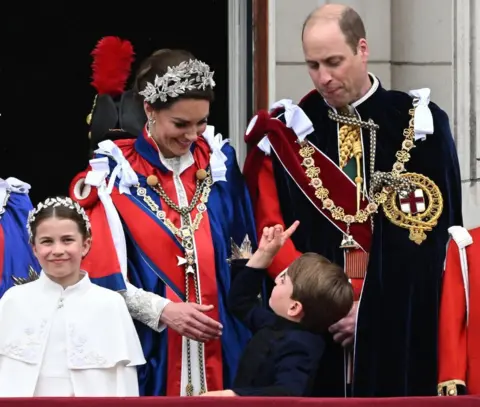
(61, 335)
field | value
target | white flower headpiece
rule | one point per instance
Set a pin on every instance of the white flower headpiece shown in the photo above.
(58, 201)
(188, 75)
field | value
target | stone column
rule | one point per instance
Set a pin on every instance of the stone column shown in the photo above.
(291, 76)
(466, 105)
(422, 48)
(376, 15)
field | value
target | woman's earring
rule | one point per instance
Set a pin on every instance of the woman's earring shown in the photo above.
(150, 124)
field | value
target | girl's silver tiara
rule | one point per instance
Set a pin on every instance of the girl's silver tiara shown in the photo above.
(58, 201)
(189, 75)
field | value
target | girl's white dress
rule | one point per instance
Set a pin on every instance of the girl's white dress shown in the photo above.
(79, 341)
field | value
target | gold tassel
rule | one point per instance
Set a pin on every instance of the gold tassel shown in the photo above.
(357, 152)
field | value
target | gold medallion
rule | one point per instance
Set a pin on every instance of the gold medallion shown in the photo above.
(417, 211)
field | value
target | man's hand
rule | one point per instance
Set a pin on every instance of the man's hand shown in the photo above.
(343, 331)
(219, 393)
(189, 320)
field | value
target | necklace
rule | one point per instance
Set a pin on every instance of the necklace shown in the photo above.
(186, 231)
(384, 187)
(184, 234)
(378, 197)
(323, 194)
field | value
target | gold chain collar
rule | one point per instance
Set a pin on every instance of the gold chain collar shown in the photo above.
(384, 187)
(313, 172)
(202, 192)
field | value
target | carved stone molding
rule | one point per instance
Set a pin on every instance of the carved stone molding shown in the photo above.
(466, 91)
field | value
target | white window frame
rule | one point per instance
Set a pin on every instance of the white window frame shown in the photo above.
(237, 76)
(238, 82)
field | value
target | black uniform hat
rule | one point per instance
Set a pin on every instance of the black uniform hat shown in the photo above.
(116, 114)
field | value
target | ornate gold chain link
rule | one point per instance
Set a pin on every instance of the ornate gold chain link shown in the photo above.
(313, 172)
(384, 186)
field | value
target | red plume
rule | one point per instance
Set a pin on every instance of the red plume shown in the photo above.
(112, 62)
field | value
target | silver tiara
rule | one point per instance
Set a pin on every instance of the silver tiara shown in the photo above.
(189, 75)
(66, 202)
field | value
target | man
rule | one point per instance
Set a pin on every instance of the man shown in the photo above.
(373, 177)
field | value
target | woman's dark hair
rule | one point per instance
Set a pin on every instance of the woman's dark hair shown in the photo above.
(66, 210)
(158, 64)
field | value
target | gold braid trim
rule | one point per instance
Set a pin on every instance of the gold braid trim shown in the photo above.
(348, 135)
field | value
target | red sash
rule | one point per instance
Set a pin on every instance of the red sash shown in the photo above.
(342, 191)
(163, 255)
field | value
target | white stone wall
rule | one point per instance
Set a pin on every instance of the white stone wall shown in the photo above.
(413, 44)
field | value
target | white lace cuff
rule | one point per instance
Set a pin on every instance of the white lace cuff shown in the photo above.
(145, 306)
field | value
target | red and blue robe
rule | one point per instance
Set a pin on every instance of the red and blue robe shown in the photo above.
(17, 260)
(395, 351)
(153, 257)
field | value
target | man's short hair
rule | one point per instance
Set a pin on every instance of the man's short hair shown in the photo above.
(350, 23)
(322, 288)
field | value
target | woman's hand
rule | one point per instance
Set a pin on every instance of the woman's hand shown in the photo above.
(189, 320)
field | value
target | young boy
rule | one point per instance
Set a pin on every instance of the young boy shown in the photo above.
(284, 353)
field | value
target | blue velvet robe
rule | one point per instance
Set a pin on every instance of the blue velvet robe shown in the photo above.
(16, 255)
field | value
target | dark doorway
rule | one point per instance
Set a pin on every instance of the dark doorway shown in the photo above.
(45, 91)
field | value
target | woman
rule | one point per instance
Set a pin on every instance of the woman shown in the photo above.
(63, 336)
(165, 208)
